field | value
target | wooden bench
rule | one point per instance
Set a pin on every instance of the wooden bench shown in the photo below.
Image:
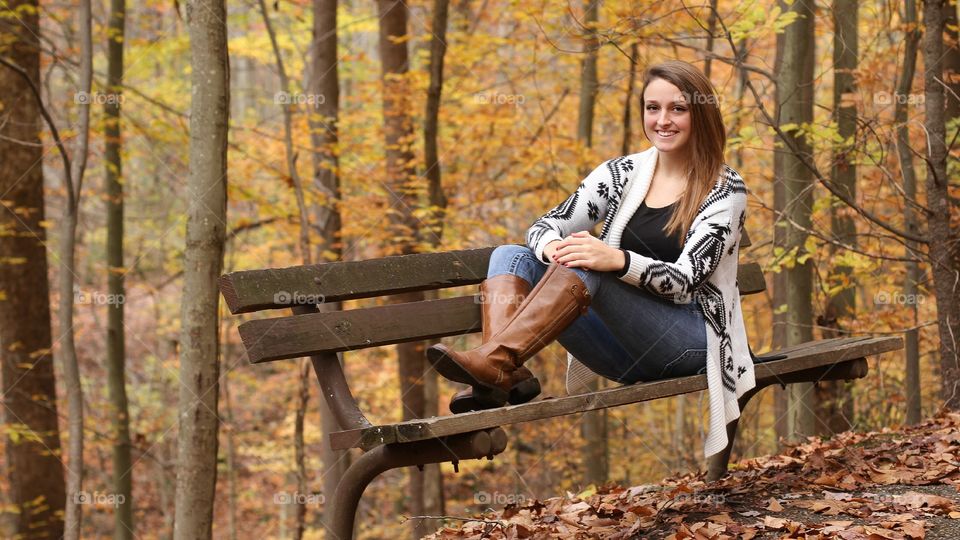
(474, 435)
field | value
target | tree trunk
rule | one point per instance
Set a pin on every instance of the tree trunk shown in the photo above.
(34, 470)
(68, 237)
(795, 100)
(405, 189)
(306, 253)
(711, 30)
(203, 259)
(944, 250)
(781, 398)
(628, 101)
(123, 527)
(905, 155)
(596, 453)
(833, 398)
(324, 83)
(433, 498)
(951, 65)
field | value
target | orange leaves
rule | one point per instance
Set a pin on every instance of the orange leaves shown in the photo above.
(780, 496)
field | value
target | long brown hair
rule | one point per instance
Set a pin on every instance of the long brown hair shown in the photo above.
(707, 137)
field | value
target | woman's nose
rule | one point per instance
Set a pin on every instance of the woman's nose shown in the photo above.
(662, 118)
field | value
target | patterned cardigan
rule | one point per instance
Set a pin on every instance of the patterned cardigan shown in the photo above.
(706, 269)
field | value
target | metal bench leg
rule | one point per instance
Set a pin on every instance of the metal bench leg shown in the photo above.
(474, 445)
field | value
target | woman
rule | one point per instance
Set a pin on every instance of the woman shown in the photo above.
(654, 295)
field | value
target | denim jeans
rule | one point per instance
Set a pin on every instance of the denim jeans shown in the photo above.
(628, 334)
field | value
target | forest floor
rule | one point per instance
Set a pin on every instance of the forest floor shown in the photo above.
(890, 484)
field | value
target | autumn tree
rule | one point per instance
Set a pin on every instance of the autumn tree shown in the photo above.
(324, 82)
(795, 104)
(833, 400)
(404, 190)
(203, 259)
(34, 469)
(910, 210)
(944, 241)
(116, 361)
(594, 426)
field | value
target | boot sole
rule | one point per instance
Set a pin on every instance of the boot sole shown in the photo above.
(521, 392)
(449, 368)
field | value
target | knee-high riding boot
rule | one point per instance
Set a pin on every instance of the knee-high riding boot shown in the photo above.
(554, 303)
(501, 296)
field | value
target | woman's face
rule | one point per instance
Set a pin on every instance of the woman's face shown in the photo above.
(666, 116)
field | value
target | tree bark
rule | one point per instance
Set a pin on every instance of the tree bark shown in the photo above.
(303, 372)
(203, 260)
(34, 470)
(324, 83)
(68, 237)
(123, 527)
(944, 250)
(781, 398)
(911, 221)
(795, 100)
(433, 497)
(628, 101)
(833, 398)
(405, 189)
(596, 452)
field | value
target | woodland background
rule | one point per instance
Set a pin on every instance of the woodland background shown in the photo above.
(137, 167)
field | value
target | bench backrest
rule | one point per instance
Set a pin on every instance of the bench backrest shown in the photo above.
(312, 332)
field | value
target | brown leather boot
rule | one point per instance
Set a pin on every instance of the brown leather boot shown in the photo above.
(556, 301)
(501, 296)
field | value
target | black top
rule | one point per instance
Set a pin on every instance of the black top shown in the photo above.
(644, 235)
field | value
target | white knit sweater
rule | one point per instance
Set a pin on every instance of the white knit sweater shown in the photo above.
(707, 268)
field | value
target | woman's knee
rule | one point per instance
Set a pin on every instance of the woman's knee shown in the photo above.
(506, 258)
(506, 254)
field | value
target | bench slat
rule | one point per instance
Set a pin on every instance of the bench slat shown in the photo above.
(254, 290)
(274, 288)
(303, 335)
(802, 357)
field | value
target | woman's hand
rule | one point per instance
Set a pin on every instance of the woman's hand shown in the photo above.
(581, 250)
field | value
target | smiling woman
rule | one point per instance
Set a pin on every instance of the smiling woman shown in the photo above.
(653, 296)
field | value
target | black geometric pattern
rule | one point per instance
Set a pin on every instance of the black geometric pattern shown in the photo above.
(593, 211)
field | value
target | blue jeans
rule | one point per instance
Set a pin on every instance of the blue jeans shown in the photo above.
(628, 334)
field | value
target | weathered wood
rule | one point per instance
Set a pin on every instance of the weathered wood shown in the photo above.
(750, 279)
(274, 288)
(255, 290)
(799, 358)
(303, 335)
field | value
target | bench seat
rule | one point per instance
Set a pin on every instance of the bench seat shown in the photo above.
(802, 359)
